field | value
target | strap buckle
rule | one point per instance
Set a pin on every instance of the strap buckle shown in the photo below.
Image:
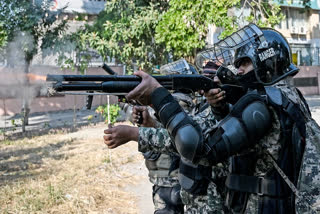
(260, 184)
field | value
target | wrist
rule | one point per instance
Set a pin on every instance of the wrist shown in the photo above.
(134, 134)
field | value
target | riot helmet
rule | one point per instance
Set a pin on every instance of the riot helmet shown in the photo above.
(267, 49)
(211, 66)
(180, 66)
(205, 60)
(210, 69)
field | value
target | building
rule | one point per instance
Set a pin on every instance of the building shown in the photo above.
(302, 30)
(301, 27)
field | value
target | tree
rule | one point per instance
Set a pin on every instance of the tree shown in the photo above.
(263, 13)
(149, 33)
(128, 33)
(30, 26)
(3, 37)
(184, 26)
(3, 40)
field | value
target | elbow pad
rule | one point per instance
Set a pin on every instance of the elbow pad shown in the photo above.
(247, 123)
(187, 134)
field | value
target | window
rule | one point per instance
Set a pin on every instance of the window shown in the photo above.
(295, 58)
(287, 18)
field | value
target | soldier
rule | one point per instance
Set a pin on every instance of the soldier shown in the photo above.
(151, 139)
(162, 167)
(258, 130)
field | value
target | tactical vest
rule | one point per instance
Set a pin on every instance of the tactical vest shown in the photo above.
(160, 165)
(275, 196)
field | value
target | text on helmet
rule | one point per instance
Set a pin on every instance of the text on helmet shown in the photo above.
(267, 54)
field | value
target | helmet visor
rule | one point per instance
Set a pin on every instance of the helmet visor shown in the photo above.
(180, 66)
(204, 57)
(225, 50)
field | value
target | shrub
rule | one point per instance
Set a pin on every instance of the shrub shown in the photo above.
(114, 112)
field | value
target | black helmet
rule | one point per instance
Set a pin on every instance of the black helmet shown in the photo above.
(268, 50)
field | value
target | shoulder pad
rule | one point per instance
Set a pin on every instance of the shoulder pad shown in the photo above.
(274, 95)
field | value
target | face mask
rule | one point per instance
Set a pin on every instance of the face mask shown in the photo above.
(248, 80)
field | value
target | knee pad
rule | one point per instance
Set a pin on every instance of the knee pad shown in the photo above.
(171, 195)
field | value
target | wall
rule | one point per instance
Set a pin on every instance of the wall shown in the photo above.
(12, 91)
(80, 6)
(308, 80)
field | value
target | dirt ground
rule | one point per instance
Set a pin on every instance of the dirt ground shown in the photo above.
(72, 173)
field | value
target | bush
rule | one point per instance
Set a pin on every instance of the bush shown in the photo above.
(114, 112)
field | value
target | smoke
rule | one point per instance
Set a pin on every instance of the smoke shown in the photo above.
(14, 82)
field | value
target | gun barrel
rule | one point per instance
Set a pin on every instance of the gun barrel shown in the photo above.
(101, 78)
(109, 86)
(77, 86)
(104, 78)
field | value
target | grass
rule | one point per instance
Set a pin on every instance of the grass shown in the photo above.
(67, 173)
(7, 142)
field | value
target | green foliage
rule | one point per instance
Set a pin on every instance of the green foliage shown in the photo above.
(55, 194)
(14, 125)
(90, 117)
(13, 122)
(7, 142)
(46, 125)
(266, 14)
(106, 160)
(125, 31)
(29, 25)
(114, 112)
(184, 27)
(3, 36)
(150, 33)
(75, 42)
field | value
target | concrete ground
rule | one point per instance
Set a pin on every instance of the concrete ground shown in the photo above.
(314, 104)
(43, 122)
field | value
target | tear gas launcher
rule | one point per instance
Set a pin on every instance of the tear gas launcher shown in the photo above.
(120, 85)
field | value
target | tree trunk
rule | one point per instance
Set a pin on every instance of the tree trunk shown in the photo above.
(25, 100)
(5, 118)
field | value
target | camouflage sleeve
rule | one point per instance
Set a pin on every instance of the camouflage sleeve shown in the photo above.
(155, 139)
(207, 120)
(158, 139)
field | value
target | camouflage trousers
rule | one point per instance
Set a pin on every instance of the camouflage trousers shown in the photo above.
(158, 202)
(163, 205)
